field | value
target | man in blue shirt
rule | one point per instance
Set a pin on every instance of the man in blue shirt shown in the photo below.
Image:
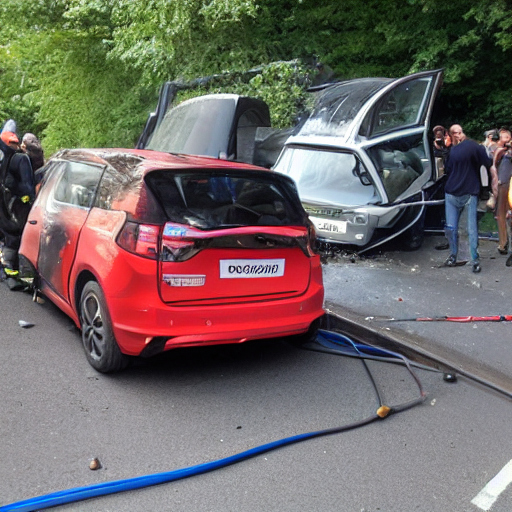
(462, 190)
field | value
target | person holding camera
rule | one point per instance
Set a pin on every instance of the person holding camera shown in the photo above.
(501, 173)
(441, 149)
(441, 146)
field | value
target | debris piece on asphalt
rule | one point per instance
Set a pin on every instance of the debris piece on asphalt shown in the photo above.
(450, 377)
(383, 411)
(37, 298)
(94, 464)
(25, 325)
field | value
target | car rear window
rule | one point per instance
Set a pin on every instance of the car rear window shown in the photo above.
(198, 127)
(216, 200)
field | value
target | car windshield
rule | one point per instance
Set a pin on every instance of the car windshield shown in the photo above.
(215, 200)
(337, 105)
(197, 127)
(328, 177)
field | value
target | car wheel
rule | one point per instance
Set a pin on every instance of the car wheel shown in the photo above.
(101, 348)
(413, 238)
(310, 335)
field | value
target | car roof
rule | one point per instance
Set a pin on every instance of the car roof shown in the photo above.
(123, 190)
(141, 161)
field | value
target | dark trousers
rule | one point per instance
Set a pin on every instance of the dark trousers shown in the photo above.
(10, 251)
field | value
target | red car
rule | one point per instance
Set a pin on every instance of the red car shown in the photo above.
(149, 251)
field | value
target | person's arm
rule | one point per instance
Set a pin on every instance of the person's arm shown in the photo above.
(494, 170)
(25, 186)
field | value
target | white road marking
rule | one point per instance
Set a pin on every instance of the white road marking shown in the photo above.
(489, 494)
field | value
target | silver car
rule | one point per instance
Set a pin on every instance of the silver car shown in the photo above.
(363, 163)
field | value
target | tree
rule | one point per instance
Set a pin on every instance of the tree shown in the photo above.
(87, 72)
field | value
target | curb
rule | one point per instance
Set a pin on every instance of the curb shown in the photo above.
(414, 347)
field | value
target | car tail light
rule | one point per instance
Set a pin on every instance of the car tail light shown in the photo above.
(179, 242)
(312, 240)
(141, 239)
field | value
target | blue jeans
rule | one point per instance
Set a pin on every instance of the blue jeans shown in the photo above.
(453, 208)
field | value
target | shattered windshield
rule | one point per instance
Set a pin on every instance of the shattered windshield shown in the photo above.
(328, 177)
(200, 126)
(216, 200)
(337, 106)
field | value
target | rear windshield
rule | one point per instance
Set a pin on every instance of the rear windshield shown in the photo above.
(200, 126)
(217, 200)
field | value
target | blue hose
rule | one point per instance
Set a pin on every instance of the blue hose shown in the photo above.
(344, 345)
(333, 341)
(95, 490)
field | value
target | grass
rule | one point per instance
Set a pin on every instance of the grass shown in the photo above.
(487, 223)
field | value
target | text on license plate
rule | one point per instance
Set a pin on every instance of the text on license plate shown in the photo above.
(338, 226)
(251, 268)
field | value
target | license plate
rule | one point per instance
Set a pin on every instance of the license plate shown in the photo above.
(230, 269)
(332, 226)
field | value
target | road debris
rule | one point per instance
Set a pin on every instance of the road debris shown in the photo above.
(94, 464)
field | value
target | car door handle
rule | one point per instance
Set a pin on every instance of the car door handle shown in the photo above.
(32, 221)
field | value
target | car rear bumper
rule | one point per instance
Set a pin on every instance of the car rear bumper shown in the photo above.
(152, 328)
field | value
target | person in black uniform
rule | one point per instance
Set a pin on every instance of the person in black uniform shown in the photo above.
(17, 193)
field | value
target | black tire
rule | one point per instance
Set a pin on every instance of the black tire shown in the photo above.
(310, 335)
(413, 238)
(101, 348)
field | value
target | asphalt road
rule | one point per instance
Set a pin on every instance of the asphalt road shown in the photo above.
(398, 284)
(193, 406)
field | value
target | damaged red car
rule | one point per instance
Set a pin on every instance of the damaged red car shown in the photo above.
(149, 251)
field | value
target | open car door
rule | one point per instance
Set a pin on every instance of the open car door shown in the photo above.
(362, 161)
(394, 126)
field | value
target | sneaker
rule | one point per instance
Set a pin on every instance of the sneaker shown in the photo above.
(508, 263)
(502, 250)
(476, 268)
(451, 261)
(442, 246)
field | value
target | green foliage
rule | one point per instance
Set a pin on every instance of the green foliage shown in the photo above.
(87, 72)
(283, 88)
(85, 102)
(282, 85)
